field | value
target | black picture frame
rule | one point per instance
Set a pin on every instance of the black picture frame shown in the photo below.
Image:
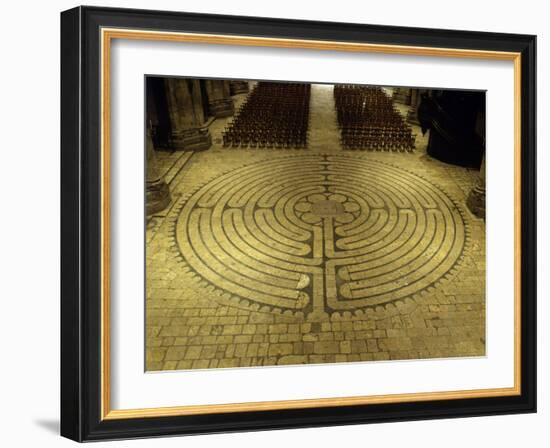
(81, 209)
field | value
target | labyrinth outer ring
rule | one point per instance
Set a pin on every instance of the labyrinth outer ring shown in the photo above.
(246, 233)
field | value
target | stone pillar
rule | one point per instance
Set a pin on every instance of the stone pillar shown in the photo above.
(237, 87)
(186, 115)
(402, 95)
(220, 102)
(476, 198)
(157, 193)
(416, 97)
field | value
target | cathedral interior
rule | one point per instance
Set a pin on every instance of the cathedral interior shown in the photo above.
(294, 223)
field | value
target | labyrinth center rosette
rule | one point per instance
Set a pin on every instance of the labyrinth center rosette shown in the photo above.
(320, 233)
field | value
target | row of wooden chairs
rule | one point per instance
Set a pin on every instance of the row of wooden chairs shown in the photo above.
(396, 143)
(368, 120)
(275, 115)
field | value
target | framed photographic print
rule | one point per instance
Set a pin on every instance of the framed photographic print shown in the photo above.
(272, 224)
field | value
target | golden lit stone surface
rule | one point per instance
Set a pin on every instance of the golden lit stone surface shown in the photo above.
(277, 257)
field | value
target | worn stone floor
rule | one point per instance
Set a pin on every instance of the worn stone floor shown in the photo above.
(318, 255)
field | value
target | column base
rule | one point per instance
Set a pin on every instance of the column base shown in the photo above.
(401, 96)
(196, 139)
(476, 201)
(412, 117)
(157, 195)
(222, 108)
(237, 87)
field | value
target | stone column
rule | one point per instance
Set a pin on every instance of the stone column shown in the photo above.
(402, 95)
(157, 193)
(476, 198)
(416, 97)
(220, 102)
(186, 115)
(237, 87)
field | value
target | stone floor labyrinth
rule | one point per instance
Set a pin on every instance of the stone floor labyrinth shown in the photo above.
(319, 235)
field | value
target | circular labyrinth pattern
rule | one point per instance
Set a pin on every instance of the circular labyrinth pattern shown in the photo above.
(320, 234)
